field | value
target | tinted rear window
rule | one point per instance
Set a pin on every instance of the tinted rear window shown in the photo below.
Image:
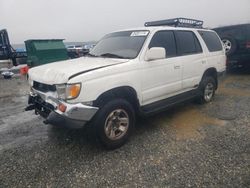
(212, 41)
(187, 43)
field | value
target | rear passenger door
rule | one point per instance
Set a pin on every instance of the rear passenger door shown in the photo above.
(191, 57)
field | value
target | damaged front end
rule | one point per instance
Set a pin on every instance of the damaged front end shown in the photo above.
(41, 108)
(43, 99)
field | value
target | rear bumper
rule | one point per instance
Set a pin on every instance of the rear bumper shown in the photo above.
(46, 105)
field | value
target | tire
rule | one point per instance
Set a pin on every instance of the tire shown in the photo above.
(230, 45)
(207, 90)
(107, 125)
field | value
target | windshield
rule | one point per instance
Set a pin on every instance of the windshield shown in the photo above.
(125, 44)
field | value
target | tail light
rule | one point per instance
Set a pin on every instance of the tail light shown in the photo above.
(248, 44)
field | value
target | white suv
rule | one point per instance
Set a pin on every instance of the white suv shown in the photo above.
(131, 72)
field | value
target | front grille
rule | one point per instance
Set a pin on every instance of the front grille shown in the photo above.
(43, 87)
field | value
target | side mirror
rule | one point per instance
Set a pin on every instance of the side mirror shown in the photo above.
(155, 53)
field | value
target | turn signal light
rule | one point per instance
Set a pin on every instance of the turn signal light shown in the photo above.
(74, 90)
(62, 107)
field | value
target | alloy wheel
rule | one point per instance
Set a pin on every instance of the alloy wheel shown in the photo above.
(209, 92)
(227, 44)
(116, 124)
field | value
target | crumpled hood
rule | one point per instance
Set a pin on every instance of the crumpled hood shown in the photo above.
(60, 72)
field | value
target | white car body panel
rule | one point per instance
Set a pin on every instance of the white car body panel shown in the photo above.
(60, 72)
(152, 80)
(160, 78)
(101, 80)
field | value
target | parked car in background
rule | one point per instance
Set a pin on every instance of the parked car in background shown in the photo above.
(236, 40)
(75, 47)
(88, 47)
(75, 51)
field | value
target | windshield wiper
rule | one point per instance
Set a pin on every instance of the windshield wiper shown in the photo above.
(112, 56)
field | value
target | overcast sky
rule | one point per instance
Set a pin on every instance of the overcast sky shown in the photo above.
(86, 20)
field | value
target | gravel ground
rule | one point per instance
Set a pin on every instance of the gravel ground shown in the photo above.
(187, 146)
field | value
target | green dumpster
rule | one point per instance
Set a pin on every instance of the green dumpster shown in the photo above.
(43, 51)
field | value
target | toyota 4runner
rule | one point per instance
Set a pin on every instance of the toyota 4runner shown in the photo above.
(131, 72)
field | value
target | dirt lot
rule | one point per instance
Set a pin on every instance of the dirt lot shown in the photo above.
(188, 146)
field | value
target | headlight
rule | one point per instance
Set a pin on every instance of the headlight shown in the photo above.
(68, 91)
(61, 91)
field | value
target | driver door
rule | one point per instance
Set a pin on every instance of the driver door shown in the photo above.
(162, 78)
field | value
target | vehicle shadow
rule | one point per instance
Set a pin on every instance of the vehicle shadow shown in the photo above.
(83, 139)
(63, 136)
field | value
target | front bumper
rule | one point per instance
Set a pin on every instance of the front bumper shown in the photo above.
(46, 105)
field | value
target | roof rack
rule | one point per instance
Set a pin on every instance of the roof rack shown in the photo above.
(176, 22)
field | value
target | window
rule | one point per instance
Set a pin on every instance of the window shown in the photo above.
(188, 43)
(124, 44)
(212, 41)
(164, 39)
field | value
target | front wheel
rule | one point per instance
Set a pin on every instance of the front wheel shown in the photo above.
(114, 123)
(207, 90)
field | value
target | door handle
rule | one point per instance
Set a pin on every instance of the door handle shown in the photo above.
(203, 62)
(177, 67)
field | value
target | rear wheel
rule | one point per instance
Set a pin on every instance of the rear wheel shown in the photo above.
(114, 123)
(229, 45)
(207, 90)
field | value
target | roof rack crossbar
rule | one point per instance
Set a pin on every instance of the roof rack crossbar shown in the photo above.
(176, 22)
